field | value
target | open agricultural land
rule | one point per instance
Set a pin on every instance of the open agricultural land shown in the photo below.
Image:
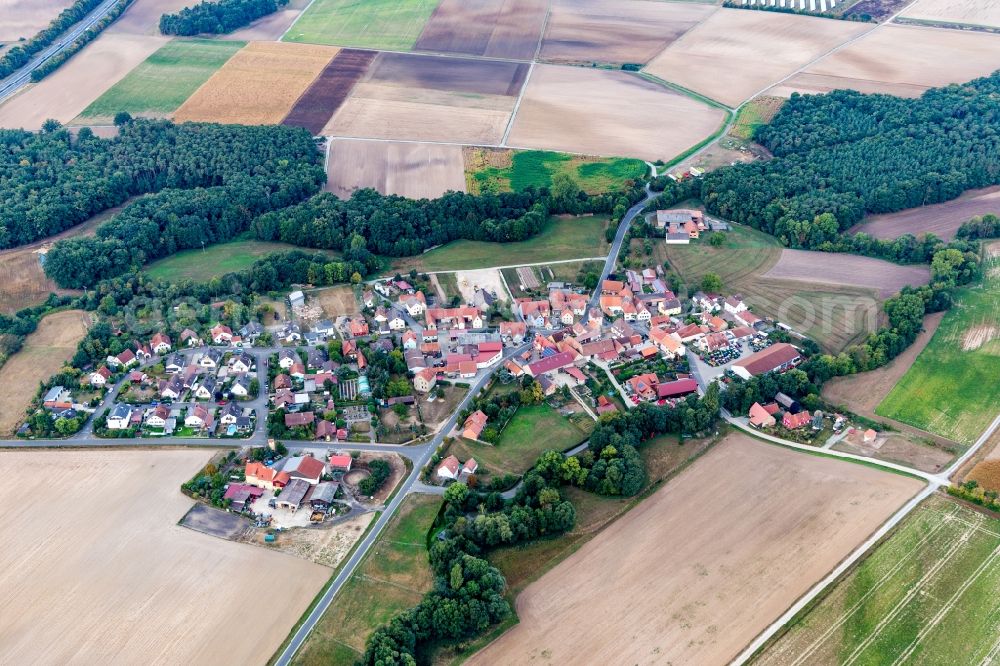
(734, 53)
(601, 112)
(325, 95)
(43, 354)
(271, 27)
(258, 85)
(431, 98)
(977, 13)
(942, 219)
(833, 315)
(394, 576)
(491, 28)
(216, 260)
(757, 112)
(737, 532)
(375, 24)
(414, 170)
(616, 32)
(900, 60)
(24, 18)
(951, 388)
(563, 237)
(161, 83)
(80, 585)
(503, 170)
(926, 595)
(848, 270)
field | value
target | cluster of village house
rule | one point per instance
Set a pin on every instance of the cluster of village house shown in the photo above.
(789, 413)
(296, 481)
(682, 225)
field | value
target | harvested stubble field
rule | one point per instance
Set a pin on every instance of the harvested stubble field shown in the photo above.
(373, 24)
(899, 60)
(951, 389)
(413, 170)
(492, 28)
(616, 31)
(64, 94)
(431, 98)
(927, 595)
(43, 354)
(393, 577)
(270, 28)
(163, 81)
(848, 270)
(734, 53)
(23, 18)
(962, 12)
(322, 99)
(143, 17)
(503, 170)
(744, 531)
(257, 86)
(942, 219)
(109, 577)
(755, 113)
(612, 113)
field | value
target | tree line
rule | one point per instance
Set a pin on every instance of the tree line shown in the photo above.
(20, 55)
(86, 37)
(217, 17)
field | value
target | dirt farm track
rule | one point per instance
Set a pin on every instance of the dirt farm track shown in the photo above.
(94, 568)
(713, 557)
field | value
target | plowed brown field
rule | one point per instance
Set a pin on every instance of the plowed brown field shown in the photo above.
(493, 28)
(414, 170)
(697, 570)
(848, 270)
(942, 219)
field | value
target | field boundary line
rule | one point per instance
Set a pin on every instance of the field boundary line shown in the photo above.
(946, 517)
(946, 608)
(991, 655)
(297, 19)
(517, 105)
(962, 459)
(907, 598)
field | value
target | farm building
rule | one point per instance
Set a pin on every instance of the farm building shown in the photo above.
(760, 416)
(340, 463)
(677, 389)
(307, 468)
(775, 358)
(241, 495)
(293, 494)
(323, 494)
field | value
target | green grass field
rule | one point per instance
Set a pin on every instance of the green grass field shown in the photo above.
(758, 111)
(533, 429)
(160, 84)
(536, 168)
(927, 595)
(374, 24)
(563, 237)
(393, 577)
(216, 260)
(952, 388)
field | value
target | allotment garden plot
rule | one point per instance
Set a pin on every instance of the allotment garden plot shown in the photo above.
(735, 53)
(414, 170)
(492, 28)
(431, 98)
(925, 596)
(713, 557)
(616, 31)
(601, 112)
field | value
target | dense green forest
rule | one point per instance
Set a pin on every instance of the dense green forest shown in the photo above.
(50, 181)
(20, 55)
(849, 154)
(217, 17)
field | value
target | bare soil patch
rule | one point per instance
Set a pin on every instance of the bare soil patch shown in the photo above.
(215, 522)
(493, 28)
(848, 270)
(905, 450)
(257, 86)
(712, 558)
(863, 392)
(965, 12)
(143, 17)
(322, 99)
(64, 94)
(616, 31)
(414, 170)
(24, 18)
(336, 301)
(109, 577)
(270, 28)
(977, 336)
(43, 354)
(609, 113)
(488, 279)
(900, 60)
(447, 74)
(327, 544)
(735, 53)
(942, 219)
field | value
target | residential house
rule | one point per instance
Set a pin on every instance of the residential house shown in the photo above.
(551, 363)
(469, 468)
(229, 414)
(241, 363)
(173, 388)
(157, 417)
(358, 327)
(513, 331)
(734, 304)
(190, 338)
(396, 321)
(210, 359)
(705, 302)
(795, 421)
(425, 380)
(448, 469)
(287, 357)
(453, 318)
(474, 425)
(534, 313)
(324, 327)
(299, 419)
(100, 377)
(340, 463)
(488, 354)
(251, 332)
(409, 340)
(415, 304)
(120, 417)
(643, 386)
(174, 363)
(160, 343)
(326, 430)
(316, 358)
(761, 417)
(221, 334)
(368, 298)
(199, 417)
(749, 319)
(262, 476)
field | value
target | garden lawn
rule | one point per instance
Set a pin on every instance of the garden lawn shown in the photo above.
(216, 260)
(564, 237)
(536, 168)
(393, 577)
(531, 430)
(952, 388)
(375, 24)
(160, 84)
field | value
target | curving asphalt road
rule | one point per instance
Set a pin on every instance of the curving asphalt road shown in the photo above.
(22, 77)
